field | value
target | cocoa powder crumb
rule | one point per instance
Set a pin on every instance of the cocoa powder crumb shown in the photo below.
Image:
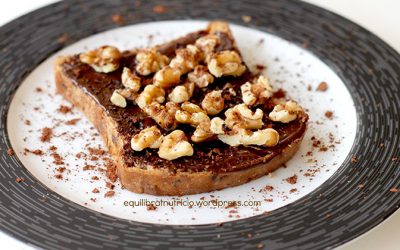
(58, 176)
(88, 167)
(394, 190)
(291, 179)
(118, 19)
(63, 38)
(150, 207)
(323, 86)
(260, 246)
(64, 109)
(58, 160)
(267, 188)
(246, 19)
(293, 190)
(35, 152)
(354, 159)
(39, 89)
(95, 191)
(309, 88)
(73, 121)
(329, 114)
(10, 152)
(110, 185)
(61, 169)
(159, 9)
(19, 180)
(96, 151)
(95, 178)
(47, 133)
(27, 122)
(53, 148)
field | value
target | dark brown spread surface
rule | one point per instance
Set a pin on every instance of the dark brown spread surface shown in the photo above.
(208, 156)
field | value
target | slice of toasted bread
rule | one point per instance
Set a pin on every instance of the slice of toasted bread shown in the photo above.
(213, 166)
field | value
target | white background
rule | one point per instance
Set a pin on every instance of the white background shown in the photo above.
(379, 16)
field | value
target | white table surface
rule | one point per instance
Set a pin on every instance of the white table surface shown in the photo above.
(379, 16)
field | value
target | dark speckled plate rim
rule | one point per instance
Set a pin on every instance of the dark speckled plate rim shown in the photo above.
(333, 214)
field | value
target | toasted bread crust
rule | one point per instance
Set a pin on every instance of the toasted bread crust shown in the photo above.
(154, 180)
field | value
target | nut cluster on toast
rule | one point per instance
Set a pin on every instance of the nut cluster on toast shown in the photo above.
(167, 99)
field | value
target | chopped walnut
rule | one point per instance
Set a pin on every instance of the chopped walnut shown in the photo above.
(147, 138)
(200, 76)
(286, 112)
(150, 94)
(266, 137)
(202, 132)
(226, 63)
(186, 58)
(207, 43)
(256, 93)
(118, 100)
(150, 61)
(128, 94)
(104, 59)
(182, 93)
(167, 77)
(163, 115)
(213, 102)
(240, 116)
(129, 80)
(191, 114)
(217, 126)
(175, 145)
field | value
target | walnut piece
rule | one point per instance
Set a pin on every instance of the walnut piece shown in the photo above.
(202, 132)
(256, 93)
(213, 102)
(240, 116)
(118, 100)
(217, 126)
(285, 112)
(191, 114)
(200, 76)
(128, 94)
(150, 94)
(163, 115)
(167, 77)
(129, 80)
(226, 63)
(207, 43)
(147, 138)
(150, 61)
(104, 59)
(186, 58)
(266, 137)
(175, 145)
(182, 93)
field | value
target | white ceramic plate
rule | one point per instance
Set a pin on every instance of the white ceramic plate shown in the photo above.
(288, 67)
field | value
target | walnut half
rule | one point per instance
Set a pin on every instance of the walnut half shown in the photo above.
(226, 63)
(104, 59)
(175, 145)
(266, 137)
(286, 112)
(256, 93)
(147, 138)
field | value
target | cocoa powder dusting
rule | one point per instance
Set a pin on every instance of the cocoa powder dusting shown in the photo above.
(47, 133)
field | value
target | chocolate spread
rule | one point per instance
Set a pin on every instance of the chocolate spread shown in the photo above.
(211, 155)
